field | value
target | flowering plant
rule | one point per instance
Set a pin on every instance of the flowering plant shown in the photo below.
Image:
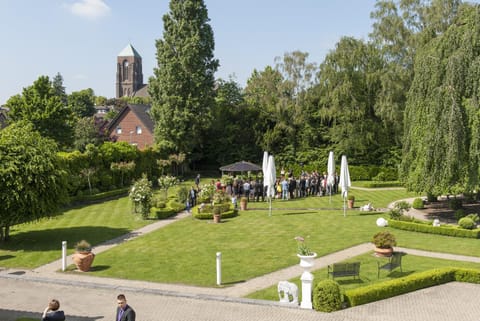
(141, 195)
(302, 247)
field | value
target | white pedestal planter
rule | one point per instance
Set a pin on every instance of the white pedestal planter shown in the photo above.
(307, 263)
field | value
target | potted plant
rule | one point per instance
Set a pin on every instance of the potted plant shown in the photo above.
(243, 203)
(83, 256)
(384, 242)
(351, 201)
(217, 213)
(304, 253)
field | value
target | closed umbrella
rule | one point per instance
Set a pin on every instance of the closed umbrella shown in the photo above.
(271, 178)
(345, 182)
(264, 168)
(330, 173)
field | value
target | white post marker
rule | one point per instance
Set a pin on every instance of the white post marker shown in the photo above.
(307, 280)
(219, 268)
(64, 255)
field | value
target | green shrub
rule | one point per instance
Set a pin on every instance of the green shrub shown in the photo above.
(82, 197)
(460, 213)
(182, 194)
(474, 217)
(467, 223)
(203, 215)
(175, 205)
(383, 184)
(161, 213)
(428, 228)
(432, 198)
(327, 296)
(417, 203)
(455, 204)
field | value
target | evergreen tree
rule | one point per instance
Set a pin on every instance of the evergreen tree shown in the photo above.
(182, 88)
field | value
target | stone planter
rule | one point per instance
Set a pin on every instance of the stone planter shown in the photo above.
(83, 260)
(217, 218)
(307, 261)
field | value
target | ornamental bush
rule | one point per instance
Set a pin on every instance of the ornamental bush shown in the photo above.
(467, 223)
(327, 296)
(460, 213)
(417, 203)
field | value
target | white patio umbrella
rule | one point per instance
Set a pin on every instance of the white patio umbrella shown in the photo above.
(264, 168)
(271, 178)
(331, 172)
(345, 182)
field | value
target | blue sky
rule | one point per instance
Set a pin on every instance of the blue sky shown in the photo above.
(81, 38)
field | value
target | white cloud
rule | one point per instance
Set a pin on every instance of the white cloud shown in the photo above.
(90, 8)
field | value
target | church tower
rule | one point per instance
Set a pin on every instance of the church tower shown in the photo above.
(129, 72)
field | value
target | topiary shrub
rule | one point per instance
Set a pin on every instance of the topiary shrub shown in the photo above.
(467, 223)
(327, 296)
(417, 203)
(432, 198)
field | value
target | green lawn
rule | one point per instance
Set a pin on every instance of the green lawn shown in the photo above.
(37, 243)
(252, 244)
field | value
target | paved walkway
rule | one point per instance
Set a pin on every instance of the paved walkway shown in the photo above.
(83, 297)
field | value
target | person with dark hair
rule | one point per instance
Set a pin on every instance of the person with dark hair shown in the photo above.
(52, 312)
(124, 311)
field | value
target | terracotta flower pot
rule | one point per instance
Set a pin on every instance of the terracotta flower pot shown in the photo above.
(351, 203)
(243, 205)
(383, 252)
(217, 218)
(83, 260)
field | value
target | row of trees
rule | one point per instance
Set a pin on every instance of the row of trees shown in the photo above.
(405, 97)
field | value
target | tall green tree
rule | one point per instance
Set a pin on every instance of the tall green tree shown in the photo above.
(349, 83)
(57, 83)
(43, 107)
(82, 103)
(441, 142)
(182, 88)
(32, 184)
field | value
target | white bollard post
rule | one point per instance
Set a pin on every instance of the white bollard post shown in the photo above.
(307, 280)
(219, 268)
(64, 255)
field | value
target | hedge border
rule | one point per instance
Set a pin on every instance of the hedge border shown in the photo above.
(414, 282)
(430, 229)
(209, 216)
(100, 196)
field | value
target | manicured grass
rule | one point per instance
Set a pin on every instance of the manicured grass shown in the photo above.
(37, 243)
(368, 273)
(252, 244)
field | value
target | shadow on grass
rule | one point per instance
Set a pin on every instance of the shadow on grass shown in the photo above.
(349, 281)
(296, 213)
(51, 239)
(96, 268)
(233, 282)
(6, 257)
(12, 315)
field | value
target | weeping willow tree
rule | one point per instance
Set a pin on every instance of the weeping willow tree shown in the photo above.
(441, 151)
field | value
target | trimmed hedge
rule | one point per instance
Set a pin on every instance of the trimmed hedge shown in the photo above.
(100, 196)
(428, 228)
(414, 282)
(208, 215)
(377, 184)
(161, 213)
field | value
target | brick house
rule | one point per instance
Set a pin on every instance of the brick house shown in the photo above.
(133, 125)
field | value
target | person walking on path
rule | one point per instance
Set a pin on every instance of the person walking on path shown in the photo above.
(124, 311)
(52, 312)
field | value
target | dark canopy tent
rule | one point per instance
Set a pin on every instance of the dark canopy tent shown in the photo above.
(242, 166)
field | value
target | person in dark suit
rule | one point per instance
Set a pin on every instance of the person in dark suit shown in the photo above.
(51, 312)
(124, 311)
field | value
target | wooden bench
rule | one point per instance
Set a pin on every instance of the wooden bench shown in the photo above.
(393, 262)
(344, 269)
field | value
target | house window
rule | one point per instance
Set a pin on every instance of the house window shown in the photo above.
(119, 130)
(138, 130)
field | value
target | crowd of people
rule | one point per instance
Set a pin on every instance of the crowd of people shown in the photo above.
(287, 186)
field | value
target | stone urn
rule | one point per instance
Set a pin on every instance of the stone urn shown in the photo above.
(307, 261)
(83, 260)
(383, 252)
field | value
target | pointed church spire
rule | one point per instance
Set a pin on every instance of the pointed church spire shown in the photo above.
(129, 51)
